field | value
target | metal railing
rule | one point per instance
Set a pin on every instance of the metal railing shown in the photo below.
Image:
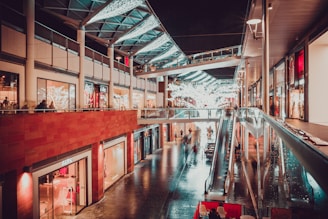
(180, 113)
(198, 58)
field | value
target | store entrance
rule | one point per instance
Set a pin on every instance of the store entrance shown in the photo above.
(63, 191)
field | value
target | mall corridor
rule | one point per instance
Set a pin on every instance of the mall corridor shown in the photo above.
(164, 185)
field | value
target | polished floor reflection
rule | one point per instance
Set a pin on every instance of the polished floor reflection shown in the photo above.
(170, 184)
(167, 184)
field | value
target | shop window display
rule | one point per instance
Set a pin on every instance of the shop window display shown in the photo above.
(113, 164)
(8, 90)
(61, 94)
(62, 192)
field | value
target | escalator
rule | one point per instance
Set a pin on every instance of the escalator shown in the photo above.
(215, 183)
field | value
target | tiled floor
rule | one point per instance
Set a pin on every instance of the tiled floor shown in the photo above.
(164, 185)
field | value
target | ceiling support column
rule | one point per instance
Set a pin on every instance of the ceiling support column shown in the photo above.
(31, 76)
(246, 83)
(265, 57)
(131, 83)
(166, 81)
(81, 40)
(110, 53)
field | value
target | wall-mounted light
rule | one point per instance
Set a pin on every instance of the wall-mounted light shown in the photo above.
(252, 24)
(270, 7)
(27, 169)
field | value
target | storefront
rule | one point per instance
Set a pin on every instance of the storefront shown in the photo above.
(8, 90)
(280, 94)
(62, 94)
(114, 161)
(296, 82)
(146, 141)
(137, 145)
(121, 98)
(62, 187)
(95, 95)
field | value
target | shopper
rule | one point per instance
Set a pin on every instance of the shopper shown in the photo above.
(5, 102)
(42, 106)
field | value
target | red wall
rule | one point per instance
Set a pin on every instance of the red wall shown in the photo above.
(26, 139)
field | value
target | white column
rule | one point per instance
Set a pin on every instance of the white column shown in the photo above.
(157, 93)
(265, 57)
(166, 78)
(146, 91)
(246, 83)
(110, 54)
(30, 75)
(131, 83)
(81, 40)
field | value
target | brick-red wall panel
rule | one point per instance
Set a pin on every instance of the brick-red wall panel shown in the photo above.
(35, 137)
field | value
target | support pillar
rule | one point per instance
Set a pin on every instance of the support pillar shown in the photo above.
(246, 83)
(166, 78)
(110, 53)
(146, 95)
(131, 83)
(265, 57)
(30, 74)
(81, 40)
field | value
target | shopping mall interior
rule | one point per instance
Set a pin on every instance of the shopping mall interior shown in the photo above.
(98, 98)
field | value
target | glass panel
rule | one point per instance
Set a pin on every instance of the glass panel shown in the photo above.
(81, 197)
(63, 192)
(61, 94)
(57, 92)
(113, 164)
(42, 89)
(8, 90)
(88, 95)
(46, 196)
(72, 96)
(103, 96)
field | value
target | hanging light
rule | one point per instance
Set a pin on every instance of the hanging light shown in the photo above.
(150, 23)
(155, 44)
(169, 52)
(115, 8)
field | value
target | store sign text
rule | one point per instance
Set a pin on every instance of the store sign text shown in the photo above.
(67, 162)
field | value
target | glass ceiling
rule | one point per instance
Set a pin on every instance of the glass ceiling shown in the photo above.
(131, 26)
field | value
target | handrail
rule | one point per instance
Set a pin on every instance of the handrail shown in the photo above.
(32, 111)
(200, 57)
(311, 158)
(180, 113)
(222, 53)
(232, 149)
(209, 179)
